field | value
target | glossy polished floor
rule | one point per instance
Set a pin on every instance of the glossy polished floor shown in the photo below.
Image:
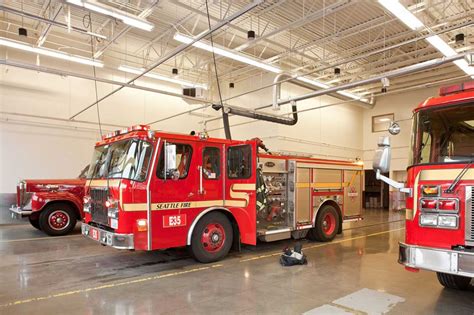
(355, 274)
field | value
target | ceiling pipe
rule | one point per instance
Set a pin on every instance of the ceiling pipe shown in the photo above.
(391, 74)
(277, 89)
(176, 51)
(51, 22)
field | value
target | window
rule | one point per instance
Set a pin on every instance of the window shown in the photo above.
(239, 162)
(382, 122)
(126, 159)
(211, 163)
(443, 134)
(184, 153)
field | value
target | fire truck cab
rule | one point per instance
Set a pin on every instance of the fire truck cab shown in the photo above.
(149, 190)
(440, 187)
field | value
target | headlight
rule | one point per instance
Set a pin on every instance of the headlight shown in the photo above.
(112, 213)
(447, 221)
(429, 219)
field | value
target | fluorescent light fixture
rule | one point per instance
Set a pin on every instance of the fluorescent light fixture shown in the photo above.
(126, 18)
(410, 20)
(441, 45)
(226, 53)
(384, 119)
(160, 77)
(402, 13)
(49, 52)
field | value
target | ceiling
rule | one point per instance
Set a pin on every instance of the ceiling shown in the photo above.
(298, 36)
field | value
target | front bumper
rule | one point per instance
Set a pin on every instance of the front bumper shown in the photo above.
(115, 240)
(19, 212)
(440, 260)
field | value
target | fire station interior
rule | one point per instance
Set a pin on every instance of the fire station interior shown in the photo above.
(236, 157)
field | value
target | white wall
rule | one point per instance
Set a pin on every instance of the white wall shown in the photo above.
(402, 106)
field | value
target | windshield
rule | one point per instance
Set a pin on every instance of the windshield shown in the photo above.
(443, 135)
(127, 159)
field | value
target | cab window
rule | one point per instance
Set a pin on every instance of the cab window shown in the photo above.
(211, 163)
(184, 153)
(239, 162)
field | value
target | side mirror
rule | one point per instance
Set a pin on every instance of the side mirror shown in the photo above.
(382, 155)
(170, 158)
(394, 128)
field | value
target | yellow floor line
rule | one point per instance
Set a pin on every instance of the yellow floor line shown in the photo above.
(323, 244)
(108, 286)
(40, 238)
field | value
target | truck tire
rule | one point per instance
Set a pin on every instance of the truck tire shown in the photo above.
(34, 222)
(326, 225)
(212, 238)
(453, 281)
(57, 219)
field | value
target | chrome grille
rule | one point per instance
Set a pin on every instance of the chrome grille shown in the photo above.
(470, 215)
(98, 208)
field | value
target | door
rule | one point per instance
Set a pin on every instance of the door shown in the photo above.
(174, 193)
(240, 188)
(212, 173)
(352, 193)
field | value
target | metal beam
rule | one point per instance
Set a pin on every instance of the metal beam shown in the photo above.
(144, 14)
(48, 21)
(176, 51)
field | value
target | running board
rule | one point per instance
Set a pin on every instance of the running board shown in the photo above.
(274, 235)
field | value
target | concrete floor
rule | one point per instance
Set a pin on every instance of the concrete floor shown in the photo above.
(355, 274)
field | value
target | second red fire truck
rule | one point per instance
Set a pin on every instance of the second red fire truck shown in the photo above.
(149, 190)
(440, 187)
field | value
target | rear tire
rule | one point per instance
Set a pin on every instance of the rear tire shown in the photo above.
(57, 219)
(453, 281)
(326, 226)
(212, 238)
(34, 223)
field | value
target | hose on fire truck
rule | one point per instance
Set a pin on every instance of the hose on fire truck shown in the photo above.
(261, 193)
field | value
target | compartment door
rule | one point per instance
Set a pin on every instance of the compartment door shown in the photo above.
(303, 195)
(352, 193)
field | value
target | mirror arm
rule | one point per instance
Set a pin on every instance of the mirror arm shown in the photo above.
(400, 186)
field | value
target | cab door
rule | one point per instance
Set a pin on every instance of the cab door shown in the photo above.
(212, 175)
(173, 193)
(240, 188)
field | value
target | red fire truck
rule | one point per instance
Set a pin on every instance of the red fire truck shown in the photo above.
(440, 187)
(149, 190)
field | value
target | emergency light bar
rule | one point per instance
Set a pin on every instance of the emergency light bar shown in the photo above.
(452, 89)
(125, 131)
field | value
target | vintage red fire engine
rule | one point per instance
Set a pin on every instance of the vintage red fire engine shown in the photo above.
(51, 205)
(440, 187)
(152, 190)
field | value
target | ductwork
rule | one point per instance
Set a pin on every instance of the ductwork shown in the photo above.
(261, 116)
(391, 74)
(277, 89)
